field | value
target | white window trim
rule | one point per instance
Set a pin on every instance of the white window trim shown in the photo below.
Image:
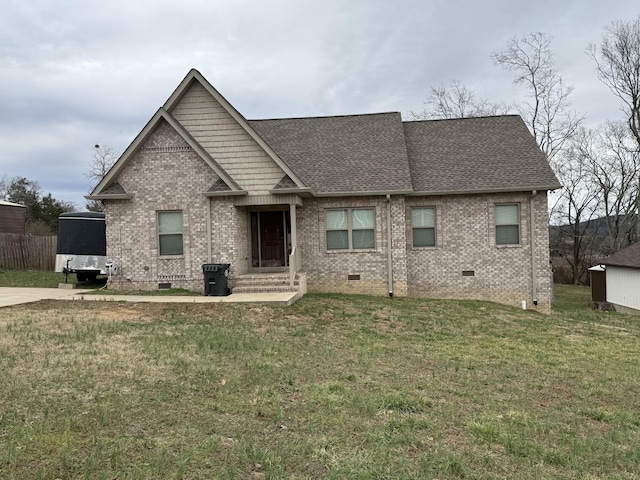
(495, 225)
(350, 230)
(158, 234)
(435, 227)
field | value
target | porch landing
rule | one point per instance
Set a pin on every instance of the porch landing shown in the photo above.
(273, 298)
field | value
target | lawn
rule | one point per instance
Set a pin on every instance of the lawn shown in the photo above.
(332, 387)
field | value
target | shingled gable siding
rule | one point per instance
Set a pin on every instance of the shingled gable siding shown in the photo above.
(465, 242)
(165, 174)
(330, 271)
(226, 141)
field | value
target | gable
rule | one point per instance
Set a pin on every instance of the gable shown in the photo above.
(175, 137)
(213, 127)
(164, 164)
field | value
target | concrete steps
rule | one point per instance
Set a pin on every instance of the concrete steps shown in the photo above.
(263, 282)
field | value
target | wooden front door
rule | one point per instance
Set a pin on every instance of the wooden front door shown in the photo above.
(269, 238)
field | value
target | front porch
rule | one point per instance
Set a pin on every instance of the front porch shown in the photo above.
(273, 262)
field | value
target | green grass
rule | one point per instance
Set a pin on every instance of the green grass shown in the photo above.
(332, 387)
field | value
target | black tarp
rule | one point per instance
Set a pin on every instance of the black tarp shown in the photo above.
(82, 234)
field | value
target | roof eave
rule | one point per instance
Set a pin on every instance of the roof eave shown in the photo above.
(538, 188)
(283, 191)
(620, 265)
(370, 193)
(118, 196)
(226, 193)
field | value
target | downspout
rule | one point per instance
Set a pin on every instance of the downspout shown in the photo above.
(532, 234)
(209, 250)
(389, 248)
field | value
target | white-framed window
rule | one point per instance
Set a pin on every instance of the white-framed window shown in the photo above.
(423, 226)
(350, 228)
(170, 233)
(507, 220)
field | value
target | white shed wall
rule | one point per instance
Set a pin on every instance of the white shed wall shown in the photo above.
(623, 286)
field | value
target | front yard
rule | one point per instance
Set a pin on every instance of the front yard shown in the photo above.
(331, 387)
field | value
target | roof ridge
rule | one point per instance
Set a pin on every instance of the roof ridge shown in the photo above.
(322, 116)
(481, 117)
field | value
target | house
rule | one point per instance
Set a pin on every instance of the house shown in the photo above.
(13, 218)
(623, 279)
(364, 204)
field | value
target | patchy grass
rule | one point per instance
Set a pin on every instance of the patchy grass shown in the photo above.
(332, 387)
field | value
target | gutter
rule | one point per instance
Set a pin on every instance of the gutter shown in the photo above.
(389, 248)
(209, 240)
(532, 231)
(424, 193)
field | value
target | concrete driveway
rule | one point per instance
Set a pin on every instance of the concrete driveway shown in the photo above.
(15, 296)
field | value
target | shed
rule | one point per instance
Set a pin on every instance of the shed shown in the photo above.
(13, 218)
(598, 283)
(623, 279)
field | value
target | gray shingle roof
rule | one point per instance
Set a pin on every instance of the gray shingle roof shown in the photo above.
(343, 154)
(380, 153)
(476, 154)
(627, 257)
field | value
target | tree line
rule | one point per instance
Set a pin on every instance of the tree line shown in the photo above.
(43, 210)
(596, 212)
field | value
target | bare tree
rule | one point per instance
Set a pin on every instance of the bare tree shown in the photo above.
(103, 159)
(618, 65)
(547, 111)
(4, 187)
(615, 170)
(457, 101)
(576, 206)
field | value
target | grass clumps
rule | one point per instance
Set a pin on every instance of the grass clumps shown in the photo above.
(332, 387)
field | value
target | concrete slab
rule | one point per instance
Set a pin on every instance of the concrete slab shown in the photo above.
(274, 298)
(15, 296)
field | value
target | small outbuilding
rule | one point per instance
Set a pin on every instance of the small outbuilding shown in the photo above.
(623, 279)
(598, 282)
(13, 218)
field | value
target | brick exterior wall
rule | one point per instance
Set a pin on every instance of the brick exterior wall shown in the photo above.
(465, 242)
(166, 174)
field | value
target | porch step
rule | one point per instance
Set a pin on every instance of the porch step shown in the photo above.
(263, 282)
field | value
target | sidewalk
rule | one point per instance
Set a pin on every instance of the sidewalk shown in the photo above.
(15, 296)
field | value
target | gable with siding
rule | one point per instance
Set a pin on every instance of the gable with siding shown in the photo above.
(226, 141)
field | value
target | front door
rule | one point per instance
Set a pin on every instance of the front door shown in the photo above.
(270, 232)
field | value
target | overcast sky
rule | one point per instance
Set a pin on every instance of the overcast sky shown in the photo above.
(75, 73)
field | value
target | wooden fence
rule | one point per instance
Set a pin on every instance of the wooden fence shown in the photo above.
(27, 252)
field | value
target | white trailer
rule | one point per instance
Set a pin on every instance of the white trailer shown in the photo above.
(82, 245)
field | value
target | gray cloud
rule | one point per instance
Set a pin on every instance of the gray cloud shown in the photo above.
(81, 72)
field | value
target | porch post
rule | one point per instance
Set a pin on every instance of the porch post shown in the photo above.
(292, 219)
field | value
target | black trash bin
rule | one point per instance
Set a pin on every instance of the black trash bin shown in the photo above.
(216, 279)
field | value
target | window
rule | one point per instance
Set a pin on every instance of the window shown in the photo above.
(350, 228)
(170, 233)
(507, 224)
(423, 223)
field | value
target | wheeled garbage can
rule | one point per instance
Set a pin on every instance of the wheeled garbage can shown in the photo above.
(216, 279)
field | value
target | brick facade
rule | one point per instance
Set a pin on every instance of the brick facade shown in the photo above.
(201, 158)
(166, 175)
